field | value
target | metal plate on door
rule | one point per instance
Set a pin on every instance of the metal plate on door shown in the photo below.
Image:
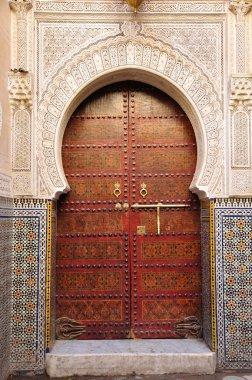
(140, 230)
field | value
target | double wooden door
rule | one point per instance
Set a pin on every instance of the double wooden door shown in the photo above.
(128, 235)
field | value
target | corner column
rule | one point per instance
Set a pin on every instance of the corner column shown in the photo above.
(20, 95)
(240, 105)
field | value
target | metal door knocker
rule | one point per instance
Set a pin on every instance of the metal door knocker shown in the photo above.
(143, 191)
(117, 191)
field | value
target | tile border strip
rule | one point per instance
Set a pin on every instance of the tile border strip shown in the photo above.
(212, 269)
(48, 276)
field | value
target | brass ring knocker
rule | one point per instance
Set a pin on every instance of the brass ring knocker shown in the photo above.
(143, 191)
(117, 191)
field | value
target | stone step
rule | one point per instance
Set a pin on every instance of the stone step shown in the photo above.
(127, 357)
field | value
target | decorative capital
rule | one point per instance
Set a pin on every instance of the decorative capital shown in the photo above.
(20, 90)
(21, 7)
(240, 8)
(241, 92)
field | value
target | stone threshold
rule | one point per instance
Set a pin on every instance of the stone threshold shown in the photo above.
(127, 357)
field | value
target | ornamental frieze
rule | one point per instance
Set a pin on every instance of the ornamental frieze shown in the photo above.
(159, 7)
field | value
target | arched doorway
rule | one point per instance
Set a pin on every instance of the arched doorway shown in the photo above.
(128, 241)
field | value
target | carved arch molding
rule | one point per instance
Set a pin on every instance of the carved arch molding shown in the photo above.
(124, 58)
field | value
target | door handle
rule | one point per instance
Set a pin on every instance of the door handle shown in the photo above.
(158, 206)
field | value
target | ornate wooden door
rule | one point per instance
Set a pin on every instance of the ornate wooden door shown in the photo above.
(128, 241)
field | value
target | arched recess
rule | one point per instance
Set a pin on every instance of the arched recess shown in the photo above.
(142, 59)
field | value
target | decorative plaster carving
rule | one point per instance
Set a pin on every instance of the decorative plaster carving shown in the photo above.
(241, 140)
(241, 91)
(61, 40)
(21, 141)
(43, 190)
(240, 8)
(241, 183)
(5, 185)
(218, 189)
(22, 184)
(146, 55)
(116, 6)
(240, 115)
(130, 28)
(20, 90)
(202, 43)
(21, 103)
(21, 7)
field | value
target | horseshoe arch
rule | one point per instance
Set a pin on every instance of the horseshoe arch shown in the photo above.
(118, 59)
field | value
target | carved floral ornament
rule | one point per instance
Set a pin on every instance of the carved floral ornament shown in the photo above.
(141, 55)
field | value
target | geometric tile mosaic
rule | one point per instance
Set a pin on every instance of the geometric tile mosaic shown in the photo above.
(34, 221)
(29, 285)
(6, 206)
(233, 249)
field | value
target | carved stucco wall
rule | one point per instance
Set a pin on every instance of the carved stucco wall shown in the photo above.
(180, 48)
(20, 95)
(78, 52)
(240, 100)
